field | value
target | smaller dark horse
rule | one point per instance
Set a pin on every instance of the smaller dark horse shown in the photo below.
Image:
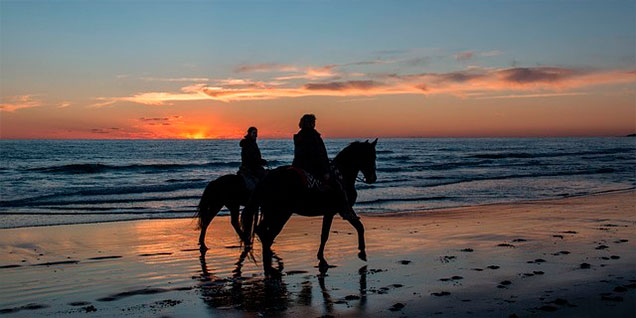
(229, 191)
(282, 193)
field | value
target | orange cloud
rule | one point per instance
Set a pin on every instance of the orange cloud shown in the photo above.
(20, 102)
(540, 81)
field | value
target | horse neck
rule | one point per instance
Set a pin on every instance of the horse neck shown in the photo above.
(348, 168)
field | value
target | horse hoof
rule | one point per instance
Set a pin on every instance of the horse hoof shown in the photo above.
(363, 256)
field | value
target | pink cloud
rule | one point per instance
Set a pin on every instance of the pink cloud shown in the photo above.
(472, 82)
(20, 102)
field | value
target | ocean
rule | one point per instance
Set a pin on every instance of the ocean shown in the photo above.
(50, 182)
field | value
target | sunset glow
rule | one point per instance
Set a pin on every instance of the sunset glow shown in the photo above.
(414, 74)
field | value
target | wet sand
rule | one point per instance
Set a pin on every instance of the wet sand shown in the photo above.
(568, 257)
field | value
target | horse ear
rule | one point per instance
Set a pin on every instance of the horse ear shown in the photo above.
(366, 141)
(375, 142)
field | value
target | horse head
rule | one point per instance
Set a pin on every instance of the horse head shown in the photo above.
(358, 157)
(367, 161)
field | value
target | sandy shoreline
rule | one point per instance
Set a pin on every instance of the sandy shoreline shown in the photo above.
(523, 259)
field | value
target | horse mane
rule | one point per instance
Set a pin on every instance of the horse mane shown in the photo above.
(345, 153)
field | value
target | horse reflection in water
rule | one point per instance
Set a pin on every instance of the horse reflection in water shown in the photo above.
(242, 293)
(268, 295)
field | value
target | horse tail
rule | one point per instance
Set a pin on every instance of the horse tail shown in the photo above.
(209, 201)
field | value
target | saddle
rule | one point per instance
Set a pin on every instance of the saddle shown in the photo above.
(311, 182)
(250, 178)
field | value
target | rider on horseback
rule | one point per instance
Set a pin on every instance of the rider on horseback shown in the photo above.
(252, 163)
(310, 155)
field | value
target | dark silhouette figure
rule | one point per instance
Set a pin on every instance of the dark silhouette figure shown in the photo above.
(310, 154)
(232, 191)
(282, 193)
(252, 164)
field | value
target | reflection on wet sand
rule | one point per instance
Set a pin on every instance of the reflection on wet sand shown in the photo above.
(266, 294)
(242, 293)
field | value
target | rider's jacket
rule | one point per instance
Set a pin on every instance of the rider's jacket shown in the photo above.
(310, 153)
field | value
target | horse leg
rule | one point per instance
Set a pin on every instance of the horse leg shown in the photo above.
(206, 217)
(263, 234)
(361, 246)
(324, 236)
(267, 232)
(235, 211)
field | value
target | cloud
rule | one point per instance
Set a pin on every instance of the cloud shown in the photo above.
(104, 130)
(312, 73)
(490, 53)
(266, 67)
(469, 83)
(341, 86)
(537, 74)
(162, 121)
(464, 56)
(64, 104)
(20, 102)
(177, 79)
(169, 118)
(533, 95)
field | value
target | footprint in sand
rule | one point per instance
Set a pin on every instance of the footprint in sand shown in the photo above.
(445, 279)
(104, 257)
(397, 307)
(155, 254)
(504, 284)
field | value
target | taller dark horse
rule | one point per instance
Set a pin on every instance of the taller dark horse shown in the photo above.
(283, 193)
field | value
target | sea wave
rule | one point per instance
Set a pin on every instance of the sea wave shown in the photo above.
(529, 175)
(523, 155)
(384, 200)
(89, 168)
(102, 191)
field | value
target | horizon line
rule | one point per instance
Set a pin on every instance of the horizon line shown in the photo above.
(352, 137)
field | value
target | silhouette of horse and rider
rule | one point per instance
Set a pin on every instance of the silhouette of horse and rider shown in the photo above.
(311, 186)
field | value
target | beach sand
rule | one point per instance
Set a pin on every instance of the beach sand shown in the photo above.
(568, 257)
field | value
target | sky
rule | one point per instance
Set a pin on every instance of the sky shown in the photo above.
(211, 69)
